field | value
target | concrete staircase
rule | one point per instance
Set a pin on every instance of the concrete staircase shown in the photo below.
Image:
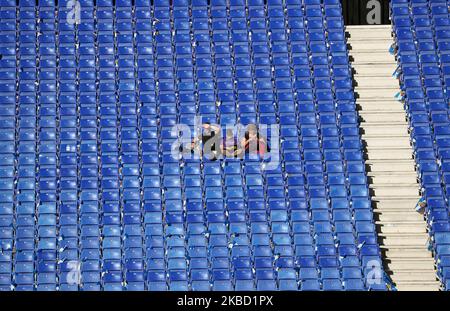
(392, 178)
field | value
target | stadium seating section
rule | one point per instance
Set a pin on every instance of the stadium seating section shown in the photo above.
(422, 33)
(88, 182)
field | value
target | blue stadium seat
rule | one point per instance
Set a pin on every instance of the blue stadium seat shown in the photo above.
(112, 196)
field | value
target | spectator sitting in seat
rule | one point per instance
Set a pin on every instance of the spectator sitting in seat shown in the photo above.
(253, 142)
(230, 146)
(207, 143)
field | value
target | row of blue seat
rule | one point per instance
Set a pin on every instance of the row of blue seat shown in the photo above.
(108, 195)
(422, 30)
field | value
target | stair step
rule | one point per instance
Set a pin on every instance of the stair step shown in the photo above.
(369, 46)
(380, 105)
(378, 30)
(389, 204)
(382, 90)
(406, 252)
(385, 116)
(392, 178)
(400, 239)
(419, 286)
(378, 153)
(402, 227)
(384, 166)
(388, 94)
(362, 36)
(395, 191)
(369, 57)
(388, 216)
(381, 70)
(400, 264)
(376, 82)
(385, 129)
(396, 141)
(415, 275)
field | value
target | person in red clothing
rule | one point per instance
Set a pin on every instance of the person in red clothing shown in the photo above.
(253, 142)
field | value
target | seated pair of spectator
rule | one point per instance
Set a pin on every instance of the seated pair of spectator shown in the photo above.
(251, 143)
